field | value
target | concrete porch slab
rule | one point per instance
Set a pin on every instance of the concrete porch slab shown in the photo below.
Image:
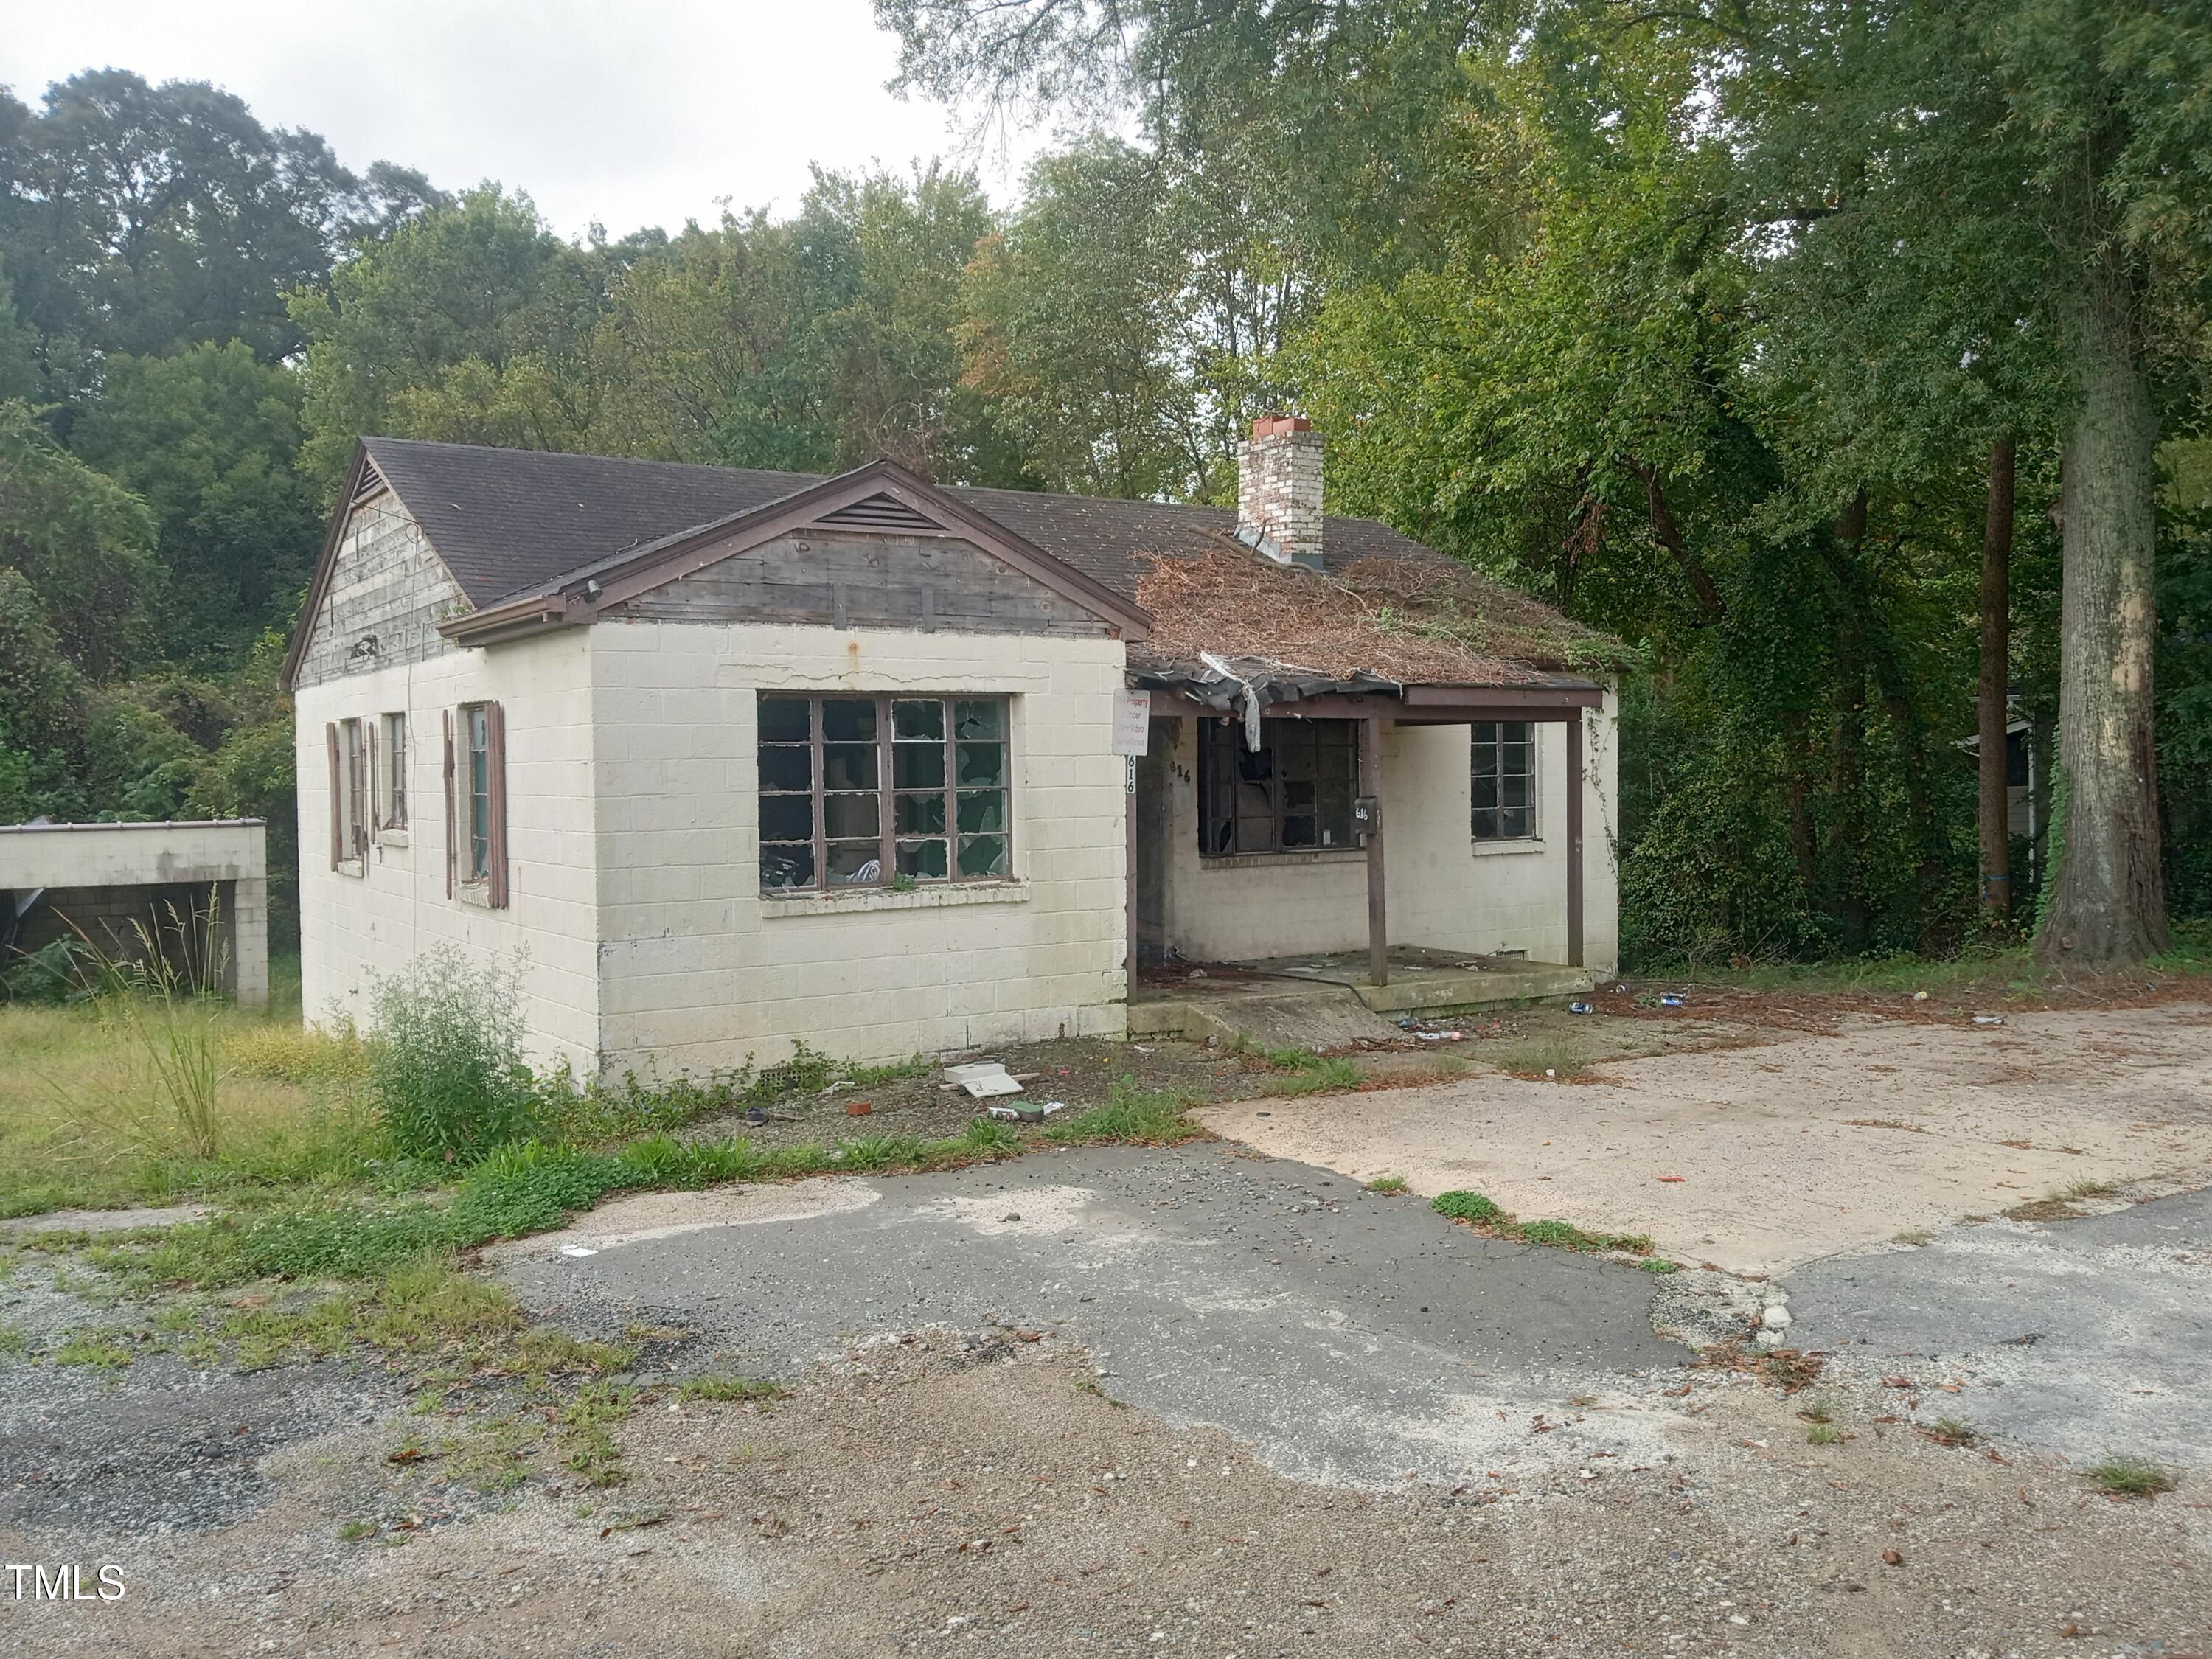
(1324, 1000)
(1423, 980)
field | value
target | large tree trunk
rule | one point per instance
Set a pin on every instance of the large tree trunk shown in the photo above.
(1995, 812)
(2109, 901)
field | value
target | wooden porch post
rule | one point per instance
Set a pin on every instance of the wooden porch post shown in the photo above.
(1129, 882)
(1575, 839)
(1379, 920)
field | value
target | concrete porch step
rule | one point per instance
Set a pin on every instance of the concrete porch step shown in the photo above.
(1435, 992)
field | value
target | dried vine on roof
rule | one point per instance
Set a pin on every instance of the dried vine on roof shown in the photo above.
(1406, 620)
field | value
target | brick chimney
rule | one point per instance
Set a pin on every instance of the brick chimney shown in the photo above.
(1279, 490)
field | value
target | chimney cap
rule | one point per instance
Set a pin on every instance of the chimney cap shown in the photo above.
(1270, 426)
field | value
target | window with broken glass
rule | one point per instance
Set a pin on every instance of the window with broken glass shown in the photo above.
(1293, 794)
(878, 792)
(1504, 780)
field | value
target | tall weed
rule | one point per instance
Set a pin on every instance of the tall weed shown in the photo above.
(445, 1070)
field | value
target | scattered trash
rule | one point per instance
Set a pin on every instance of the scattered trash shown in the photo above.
(837, 1084)
(1988, 1019)
(1676, 1178)
(1198, 973)
(1920, 996)
(858, 1107)
(1671, 999)
(982, 1079)
(1579, 1008)
(756, 1115)
(577, 1250)
(1438, 1037)
(1140, 1047)
(1549, 1073)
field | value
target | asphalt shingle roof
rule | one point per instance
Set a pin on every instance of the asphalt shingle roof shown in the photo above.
(510, 521)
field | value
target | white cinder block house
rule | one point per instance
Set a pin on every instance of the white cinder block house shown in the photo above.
(742, 758)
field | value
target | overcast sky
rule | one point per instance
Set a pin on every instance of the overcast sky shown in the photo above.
(627, 111)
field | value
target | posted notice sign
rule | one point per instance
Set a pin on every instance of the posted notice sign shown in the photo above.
(1132, 723)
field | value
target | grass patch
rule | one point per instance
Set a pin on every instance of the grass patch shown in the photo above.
(727, 1388)
(1484, 1215)
(1952, 1431)
(105, 1351)
(2132, 1477)
(1659, 1264)
(1147, 1117)
(1825, 1434)
(1390, 1186)
(1820, 1408)
(1303, 1072)
(583, 1428)
(1552, 1059)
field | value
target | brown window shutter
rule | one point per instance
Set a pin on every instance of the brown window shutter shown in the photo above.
(338, 830)
(496, 765)
(453, 853)
(369, 797)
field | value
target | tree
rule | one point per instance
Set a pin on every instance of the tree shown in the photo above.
(80, 541)
(144, 219)
(471, 323)
(2051, 158)
(206, 439)
(1072, 315)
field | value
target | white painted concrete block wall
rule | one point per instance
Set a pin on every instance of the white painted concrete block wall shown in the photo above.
(699, 971)
(355, 926)
(1444, 890)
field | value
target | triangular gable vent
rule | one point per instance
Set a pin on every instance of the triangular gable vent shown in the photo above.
(371, 480)
(879, 511)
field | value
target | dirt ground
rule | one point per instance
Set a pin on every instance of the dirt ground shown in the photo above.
(924, 1497)
(1054, 1476)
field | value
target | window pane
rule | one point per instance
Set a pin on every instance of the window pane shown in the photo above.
(918, 721)
(982, 855)
(854, 863)
(1520, 732)
(1299, 794)
(1300, 830)
(849, 816)
(979, 719)
(924, 860)
(918, 766)
(784, 720)
(1486, 825)
(787, 818)
(782, 766)
(1516, 822)
(786, 866)
(983, 763)
(920, 815)
(848, 719)
(849, 765)
(1513, 790)
(982, 812)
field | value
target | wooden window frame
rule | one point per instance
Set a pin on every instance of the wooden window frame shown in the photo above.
(887, 791)
(1534, 776)
(390, 741)
(1216, 736)
(349, 769)
(489, 879)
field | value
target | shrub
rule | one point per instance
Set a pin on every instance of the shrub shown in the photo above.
(526, 1188)
(291, 1055)
(446, 1068)
(1465, 1207)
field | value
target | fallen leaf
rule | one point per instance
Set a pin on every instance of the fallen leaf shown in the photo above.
(1891, 1558)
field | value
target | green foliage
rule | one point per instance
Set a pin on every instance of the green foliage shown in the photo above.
(1148, 1116)
(1465, 1207)
(2132, 1477)
(446, 1066)
(83, 544)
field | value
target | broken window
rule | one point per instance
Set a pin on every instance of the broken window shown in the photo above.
(348, 820)
(861, 792)
(476, 736)
(1293, 794)
(1505, 778)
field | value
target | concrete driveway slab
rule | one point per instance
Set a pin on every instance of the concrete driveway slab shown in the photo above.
(1762, 1158)
(1348, 1337)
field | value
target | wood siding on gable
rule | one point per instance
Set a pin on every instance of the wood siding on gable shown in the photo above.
(386, 581)
(926, 582)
